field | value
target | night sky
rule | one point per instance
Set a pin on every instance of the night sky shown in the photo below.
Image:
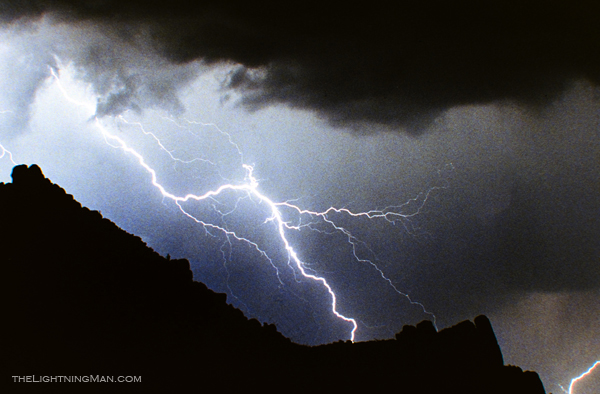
(479, 122)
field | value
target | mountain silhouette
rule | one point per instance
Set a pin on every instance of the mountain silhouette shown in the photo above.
(85, 298)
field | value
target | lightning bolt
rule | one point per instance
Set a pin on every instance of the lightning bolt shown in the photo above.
(390, 214)
(4, 151)
(249, 188)
(578, 378)
(160, 144)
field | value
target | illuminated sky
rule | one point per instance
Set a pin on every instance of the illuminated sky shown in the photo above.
(500, 130)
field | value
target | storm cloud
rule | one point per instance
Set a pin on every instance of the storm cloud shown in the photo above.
(503, 96)
(121, 69)
(399, 64)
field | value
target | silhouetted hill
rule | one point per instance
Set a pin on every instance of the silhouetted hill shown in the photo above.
(83, 297)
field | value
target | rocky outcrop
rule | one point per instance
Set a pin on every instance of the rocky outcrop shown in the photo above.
(83, 297)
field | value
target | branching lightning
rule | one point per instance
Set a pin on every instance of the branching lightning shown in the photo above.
(580, 377)
(249, 188)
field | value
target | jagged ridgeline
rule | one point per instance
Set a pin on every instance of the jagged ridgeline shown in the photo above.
(83, 297)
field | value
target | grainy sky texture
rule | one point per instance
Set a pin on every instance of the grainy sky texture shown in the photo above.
(490, 109)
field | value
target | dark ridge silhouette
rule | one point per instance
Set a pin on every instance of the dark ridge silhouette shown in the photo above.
(84, 297)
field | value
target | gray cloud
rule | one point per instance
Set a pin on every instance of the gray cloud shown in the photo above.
(393, 63)
(126, 74)
(123, 71)
(24, 71)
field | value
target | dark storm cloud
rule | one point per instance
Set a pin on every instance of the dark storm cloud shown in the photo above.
(520, 214)
(128, 75)
(123, 71)
(549, 239)
(398, 63)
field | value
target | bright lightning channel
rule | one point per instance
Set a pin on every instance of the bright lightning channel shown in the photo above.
(578, 378)
(6, 152)
(250, 188)
(3, 150)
